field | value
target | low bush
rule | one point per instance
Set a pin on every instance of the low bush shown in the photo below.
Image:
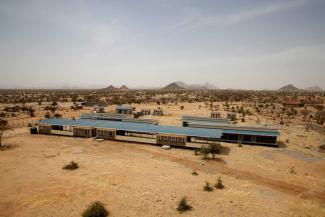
(57, 115)
(322, 148)
(71, 166)
(183, 206)
(219, 184)
(95, 209)
(195, 173)
(207, 187)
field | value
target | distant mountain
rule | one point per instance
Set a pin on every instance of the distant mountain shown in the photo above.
(112, 88)
(314, 89)
(124, 88)
(288, 87)
(173, 86)
(179, 85)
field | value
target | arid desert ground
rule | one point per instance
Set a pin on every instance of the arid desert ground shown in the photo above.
(141, 180)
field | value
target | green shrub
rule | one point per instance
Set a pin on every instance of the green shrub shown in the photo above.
(205, 151)
(207, 187)
(219, 184)
(214, 149)
(322, 148)
(95, 209)
(195, 173)
(57, 115)
(71, 166)
(182, 206)
(47, 115)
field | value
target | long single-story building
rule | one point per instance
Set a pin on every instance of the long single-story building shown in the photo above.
(117, 117)
(188, 119)
(131, 131)
(236, 133)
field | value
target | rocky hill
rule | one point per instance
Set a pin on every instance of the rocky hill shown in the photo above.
(173, 86)
(288, 87)
(179, 85)
(314, 89)
(124, 88)
(112, 88)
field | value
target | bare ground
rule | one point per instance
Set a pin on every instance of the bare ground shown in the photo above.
(141, 180)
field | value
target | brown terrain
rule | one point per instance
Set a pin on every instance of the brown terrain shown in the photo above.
(141, 180)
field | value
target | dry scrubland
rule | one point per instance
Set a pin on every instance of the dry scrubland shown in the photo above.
(141, 180)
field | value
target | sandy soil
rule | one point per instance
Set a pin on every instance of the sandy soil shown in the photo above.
(142, 180)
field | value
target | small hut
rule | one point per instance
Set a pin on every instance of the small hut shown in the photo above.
(99, 109)
(158, 112)
(125, 109)
(231, 116)
(215, 115)
(145, 112)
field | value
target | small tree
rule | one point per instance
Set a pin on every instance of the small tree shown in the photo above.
(3, 127)
(214, 149)
(320, 117)
(183, 206)
(219, 184)
(31, 112)
(95, 209)
(205, 151)
(53, 109)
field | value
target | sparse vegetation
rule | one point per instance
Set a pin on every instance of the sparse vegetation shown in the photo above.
(241, 103)
(47, 115)
(3, 127)
(57, 115)
(96, 209)
(322, 148)
(219, 184)
(71, 166)
(214, 149)
(207, 187)
(205, 151)
(183, 206)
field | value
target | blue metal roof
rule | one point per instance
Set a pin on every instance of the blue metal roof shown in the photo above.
(207, 123)
(251, 132)
(233, 129)
(138, 127)
(205, 119)
(124, 107)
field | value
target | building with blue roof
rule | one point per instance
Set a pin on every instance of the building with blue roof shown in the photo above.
(196, 130)
(124, 109)
(122, 130)
(233, 133)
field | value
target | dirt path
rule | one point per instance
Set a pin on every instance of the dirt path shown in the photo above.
(218, 167)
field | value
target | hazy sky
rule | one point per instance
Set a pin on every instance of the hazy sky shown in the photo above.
(250, 44)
